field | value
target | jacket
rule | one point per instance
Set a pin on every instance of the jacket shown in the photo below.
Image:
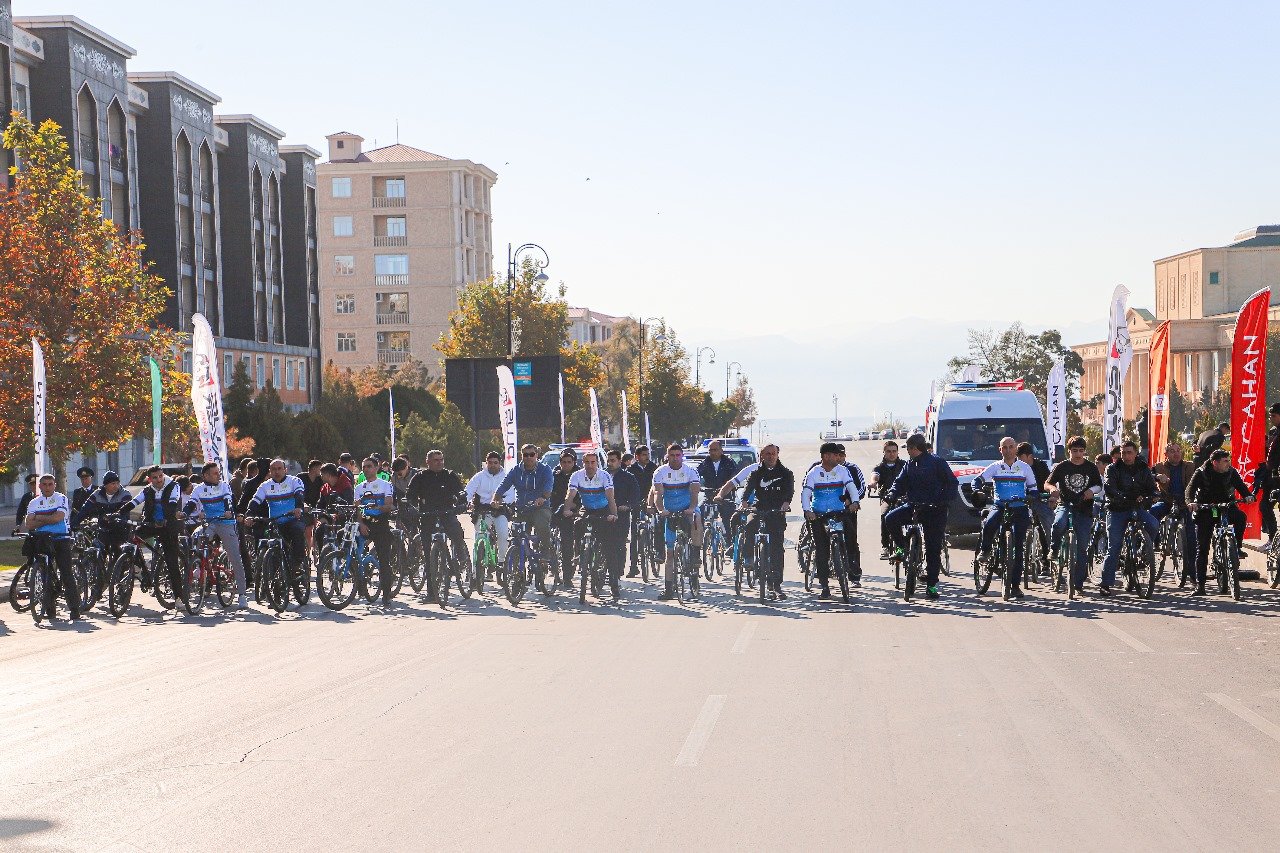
(644, 476)
(626, 489)
(1210, 440)
(926, 479)
(560, 485)
(1126, 485)
(99, 503)
(434, 491)
(772, 487)
(23, 502)
(1166, 470)
(529, 485)
(713, 476)
(1207, 486)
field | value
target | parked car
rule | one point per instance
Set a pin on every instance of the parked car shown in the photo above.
(864, 435)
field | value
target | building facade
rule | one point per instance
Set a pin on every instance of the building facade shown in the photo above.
(301, 267)
(1200, 293)
(400, 231)
(590, 327)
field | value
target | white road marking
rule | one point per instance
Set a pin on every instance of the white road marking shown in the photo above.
(744, 637)
(701, 732)
(1250, 716)
(1125, 637)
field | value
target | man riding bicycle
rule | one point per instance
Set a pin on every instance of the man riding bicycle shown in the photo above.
(484, 497)
(925, 485)
(1173, 475)
(438, 490)
(1127, 485)
(376, 498)
(280, 496)
(1075, 482)
(627, 497)
(675, 497)
(826, 487)
(1012, 481)
(883, 477)
(1214, 482)
(716, 470)
(532, 482)
(216, 505)
(770, 489)
(161, 518)
(595, 488)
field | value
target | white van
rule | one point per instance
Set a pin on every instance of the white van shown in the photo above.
(968, 421)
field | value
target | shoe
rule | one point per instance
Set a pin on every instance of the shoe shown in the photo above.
(825, 595)
(886, 553)
(1017, 593)
(770, 595)
(782, 596)
(931, 593)
(634, 573)
(1199, 591)
(855, 582)
(1078, 590)
(666, 596)
(242, 603)
(75, 615)
(1104, 590)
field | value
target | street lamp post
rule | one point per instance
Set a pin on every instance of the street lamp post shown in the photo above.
(697, 370)
(513, 258)
(657, 339)
(728, 367)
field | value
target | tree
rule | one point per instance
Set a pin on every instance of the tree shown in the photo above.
(235, 403)
(76, 283)
(341, 406)
(316, 437)
(238, 447)
(478, 329)
(743, 399)
(1015, 354)
(269, 425)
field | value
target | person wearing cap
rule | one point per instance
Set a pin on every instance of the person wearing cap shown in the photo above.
(1214, 482)
(27, 496)
(80, 495)
(1268, 478)
(928, 485)
(105, 500)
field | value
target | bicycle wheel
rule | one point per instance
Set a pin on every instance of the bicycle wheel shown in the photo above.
(1144, 569)
(1031, 556)
(393, 577)
(708, 571)
(335, 583)
(464, 573)
(441, 573)
(275, 580)
(695, 584)
(43, 603)
(763, 570)
(194, 587)
(1005, 542)
(1228, 565)
(20, 589)
(946, 557)
(224, 580)
(586, 559)
(737, 575)
(418, 573)
(1273, 569)
(982, 572)
(1233, 571)
(839, 565)
(89, 579)
(300, 581)
(914, 560)
(120, 589)
(161, 583)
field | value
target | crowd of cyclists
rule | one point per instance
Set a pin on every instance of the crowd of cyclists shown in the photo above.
(368, 528)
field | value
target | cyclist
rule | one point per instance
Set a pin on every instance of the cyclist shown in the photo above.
(927, 484)
(161, 518)
(216, 504)
(675, 493)
(485, 497)
(826, 487)
(312, 483)
(770, 489)
(106, 499)
(436, 489)
(642, 469)
(1209, 441)
(48, 519)
(1214, 482)
(1012, 480)
(280, 496)
(716, 470)
(851, 508)
(559, 489)
(1074, 483)
(1040, 506)
(1127, 485)
(533, 483)
(81, 494)
(1173, 475)
(626, 495)
(883, 477)
(337, 487)
(595, 488)
(401, 475)
(377, 470)
(376, 498)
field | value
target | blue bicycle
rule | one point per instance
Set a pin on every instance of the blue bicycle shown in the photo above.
(347, 564)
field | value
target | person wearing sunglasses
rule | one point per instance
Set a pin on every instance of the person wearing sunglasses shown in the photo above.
(533, 482)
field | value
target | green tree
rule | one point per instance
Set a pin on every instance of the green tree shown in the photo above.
(743, 399)
(316, 437)
(1016, 354)
(478, 328)
(235, 403)
(269, 425)
(342, 407)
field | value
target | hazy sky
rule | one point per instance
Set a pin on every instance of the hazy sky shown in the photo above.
(761, 167)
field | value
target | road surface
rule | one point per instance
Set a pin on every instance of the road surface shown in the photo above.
(723, 724)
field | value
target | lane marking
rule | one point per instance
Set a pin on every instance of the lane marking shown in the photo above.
(1125, 637)
(1250, 716)
(701, 731)
(744, 637)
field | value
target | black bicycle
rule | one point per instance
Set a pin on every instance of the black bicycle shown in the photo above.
(837, 557)
(593, 562)
(1137, 558)
(1001, 559)
(1224, 555)
(761, 559)
(912, 561)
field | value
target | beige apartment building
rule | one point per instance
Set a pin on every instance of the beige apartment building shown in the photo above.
(400, 231)
(1200, 292)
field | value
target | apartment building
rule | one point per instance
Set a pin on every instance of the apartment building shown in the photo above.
(400, 231)
(301, 267)
(590, 327)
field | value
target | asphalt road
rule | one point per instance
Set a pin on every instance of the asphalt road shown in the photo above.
(723, 724)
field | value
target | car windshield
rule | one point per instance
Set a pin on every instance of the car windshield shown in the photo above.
(979, 439)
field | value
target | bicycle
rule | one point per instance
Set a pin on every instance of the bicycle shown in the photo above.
(1139, 569)
(743, 564)
(686, 579)
(1225, 555)
(838, 558)
(485, 556)
(760, 552)
(273, 569)
(593, 562)
(347, 566)
(525, 564)
(131, 563)
(208, 567)
(804, 555)
(1035, 550)
(713, 540)
(1001, 559)
(443, 566)
(43, 579)
(1064, 559)
(1170, 544)
(913, 558)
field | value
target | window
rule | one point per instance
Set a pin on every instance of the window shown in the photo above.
(1213, 277)
(346, 342)
(302, 375)
(391, 264)
(275, 373)
(262, 372)
(341, 144)
(344, 303)
(186, 363)
(228, 369)
(344, 264)
(342, 226)
(248, 367)
(395, 187)
(342, 188)
(392, 303)
(395, 226)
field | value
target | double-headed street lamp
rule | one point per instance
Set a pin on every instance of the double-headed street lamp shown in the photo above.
(697, 370)
(513, 258)
(728, 367)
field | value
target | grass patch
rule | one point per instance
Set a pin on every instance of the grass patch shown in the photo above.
(10, 554)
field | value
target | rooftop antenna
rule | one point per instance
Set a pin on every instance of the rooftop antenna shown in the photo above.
(397, 131)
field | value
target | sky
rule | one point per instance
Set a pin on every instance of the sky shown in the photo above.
(811, 171)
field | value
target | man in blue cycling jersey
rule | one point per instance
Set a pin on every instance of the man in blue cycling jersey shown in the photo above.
(675, 496)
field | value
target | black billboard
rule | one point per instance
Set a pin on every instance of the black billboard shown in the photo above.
(471, 384)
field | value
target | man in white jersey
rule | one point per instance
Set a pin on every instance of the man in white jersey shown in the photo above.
(593, 486)
(216, 504)
(826, 488)
(1012, 480)
(376, 498)
(481, 489)
(280, 497)
(675, 497)
(48, 519)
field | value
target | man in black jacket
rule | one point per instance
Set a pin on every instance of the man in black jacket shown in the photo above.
(1215, 482)
(626, 495)
(716, 470)
(80, 495)
(1268, 478)
(773, 486)
(643, 469)
(27, 497)
(1128, 485)
(1211, 440)
(436, 489)
(559, 490)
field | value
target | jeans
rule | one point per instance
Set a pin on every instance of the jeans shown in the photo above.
(934, 521)
(1116, 521)
(1081, 522)
(168, 536)
(1021, 518)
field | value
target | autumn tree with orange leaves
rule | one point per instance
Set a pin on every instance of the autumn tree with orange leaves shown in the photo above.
(78, 284)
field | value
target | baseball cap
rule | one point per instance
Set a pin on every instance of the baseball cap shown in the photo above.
(110, 477)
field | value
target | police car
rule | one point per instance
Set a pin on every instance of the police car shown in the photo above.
(968, 421)
(740, 450)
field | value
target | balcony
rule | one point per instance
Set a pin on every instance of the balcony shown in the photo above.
(394, 356)
(388, 201)
(387, 240)
(397, 280)
(393, 318)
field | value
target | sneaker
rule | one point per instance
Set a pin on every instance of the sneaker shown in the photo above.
(855, 582)
(1199, 591)
(782, 596)
(886, 553)
(931, 593)
(825, 595)
(634, 573)
(1078, 590)
(1017, 593)
(1104, 590)
(666, 596)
